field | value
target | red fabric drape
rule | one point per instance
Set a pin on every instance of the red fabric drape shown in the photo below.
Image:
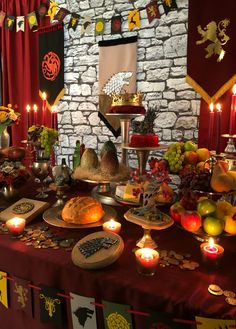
(20, 65)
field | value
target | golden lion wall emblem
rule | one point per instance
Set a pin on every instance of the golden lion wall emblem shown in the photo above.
(216, 34)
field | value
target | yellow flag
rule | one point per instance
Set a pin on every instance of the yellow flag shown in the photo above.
(3, 289)
(207, 323)
(133, 19)
(52, 10)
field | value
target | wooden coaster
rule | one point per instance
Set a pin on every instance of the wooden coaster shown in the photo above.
(101, 258)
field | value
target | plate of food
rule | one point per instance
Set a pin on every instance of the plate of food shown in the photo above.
(79, 212)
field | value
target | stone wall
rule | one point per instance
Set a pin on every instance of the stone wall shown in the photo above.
(161, 71)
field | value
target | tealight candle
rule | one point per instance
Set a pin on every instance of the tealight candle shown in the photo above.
(147, 260)
(211, 253)
(16, 225)
(112, 226)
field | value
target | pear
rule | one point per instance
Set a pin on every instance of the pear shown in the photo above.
(232, 173)
(89, 159)
(109, 163)
(220, 181)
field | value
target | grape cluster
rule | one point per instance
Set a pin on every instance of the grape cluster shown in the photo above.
(175, 157)
(196, 180)
(47, 138)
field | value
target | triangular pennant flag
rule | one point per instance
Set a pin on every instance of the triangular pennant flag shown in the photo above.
(42, 11)
(20, 23)
(52, 10)
(207, 323)
(32, 19)
(86, 25)
(99, 26)
(152, 11)
(21, 296)
(133, 19)
(74, 20)
(3, 289)
(50, 305)
(116, 315)
(61, 14)
(2, 16)
(9, 22)
(116, 23)
(83, 312)
(169, 5)
(162, 320)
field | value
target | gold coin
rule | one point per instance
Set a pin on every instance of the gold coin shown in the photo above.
(231, 301)
(214, 289)
(228, 293)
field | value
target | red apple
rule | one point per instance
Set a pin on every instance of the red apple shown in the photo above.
(190, 157)
(191, 221)
(176, 211)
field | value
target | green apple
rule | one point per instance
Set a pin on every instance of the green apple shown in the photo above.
(213, 226)
(190, 146)
(206, 207)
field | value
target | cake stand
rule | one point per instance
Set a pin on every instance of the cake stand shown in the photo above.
(230, 148)
(147, 241)
(125, 119)
(143, 154)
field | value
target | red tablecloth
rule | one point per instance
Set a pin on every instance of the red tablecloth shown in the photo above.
(172, 290)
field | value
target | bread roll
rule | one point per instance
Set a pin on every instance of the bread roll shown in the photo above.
(82, 210)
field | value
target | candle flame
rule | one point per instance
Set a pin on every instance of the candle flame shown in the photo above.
(35, 107)
(218, 107)
(211, 107)
(44, 96)
(234, 89)
(211, 242)
(146, 253)
(28, 108)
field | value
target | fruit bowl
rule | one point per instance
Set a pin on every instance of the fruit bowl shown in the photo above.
(226, 196)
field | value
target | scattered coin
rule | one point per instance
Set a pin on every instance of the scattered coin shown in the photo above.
(228, 293)
(214, 289)
(231, 301)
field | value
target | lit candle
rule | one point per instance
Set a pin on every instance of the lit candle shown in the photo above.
(16, 225)
(211, 253)
(211, 123)
(112, 226)
(218, 127)
(35, 113)
(232, 112)
(44, 108)
(147, 260)
(28, 117)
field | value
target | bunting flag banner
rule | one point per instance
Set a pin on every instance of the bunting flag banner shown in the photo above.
(20, 23)
(86, 25)
(152, 11)
(52, 10)
(169, 5)
(99, 26)
(9, 22)
(133, 19)
(83, 312)
(21, 296)
(116, 315)
(42, 11)
(207, 323)
(2, 17)
(211, 65)
(74, 21)
(51, 63)
(3, 289)
(160, 320)
(32, 19)
(117, 77)
(50, 305)
(61, 14)
(116, 23)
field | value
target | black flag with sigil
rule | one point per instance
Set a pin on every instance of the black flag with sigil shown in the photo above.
(51, 63)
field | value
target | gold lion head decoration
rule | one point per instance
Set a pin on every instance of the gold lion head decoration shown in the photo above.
(134, 99)
(216, 34)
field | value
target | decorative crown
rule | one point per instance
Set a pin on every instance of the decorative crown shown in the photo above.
(134, 99)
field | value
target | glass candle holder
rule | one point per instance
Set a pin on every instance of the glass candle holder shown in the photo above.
(147, 260)
(16, 225)
(112, 226)
(211, 254)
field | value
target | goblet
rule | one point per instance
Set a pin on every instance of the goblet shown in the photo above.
(40, 170)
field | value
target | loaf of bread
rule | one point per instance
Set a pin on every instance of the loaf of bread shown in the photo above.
(82, 210)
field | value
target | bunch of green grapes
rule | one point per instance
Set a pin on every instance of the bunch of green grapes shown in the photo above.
(175, 157)
(48, 137)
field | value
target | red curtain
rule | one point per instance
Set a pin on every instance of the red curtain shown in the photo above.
(20, 65)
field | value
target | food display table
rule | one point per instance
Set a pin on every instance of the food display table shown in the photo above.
(178, 292)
